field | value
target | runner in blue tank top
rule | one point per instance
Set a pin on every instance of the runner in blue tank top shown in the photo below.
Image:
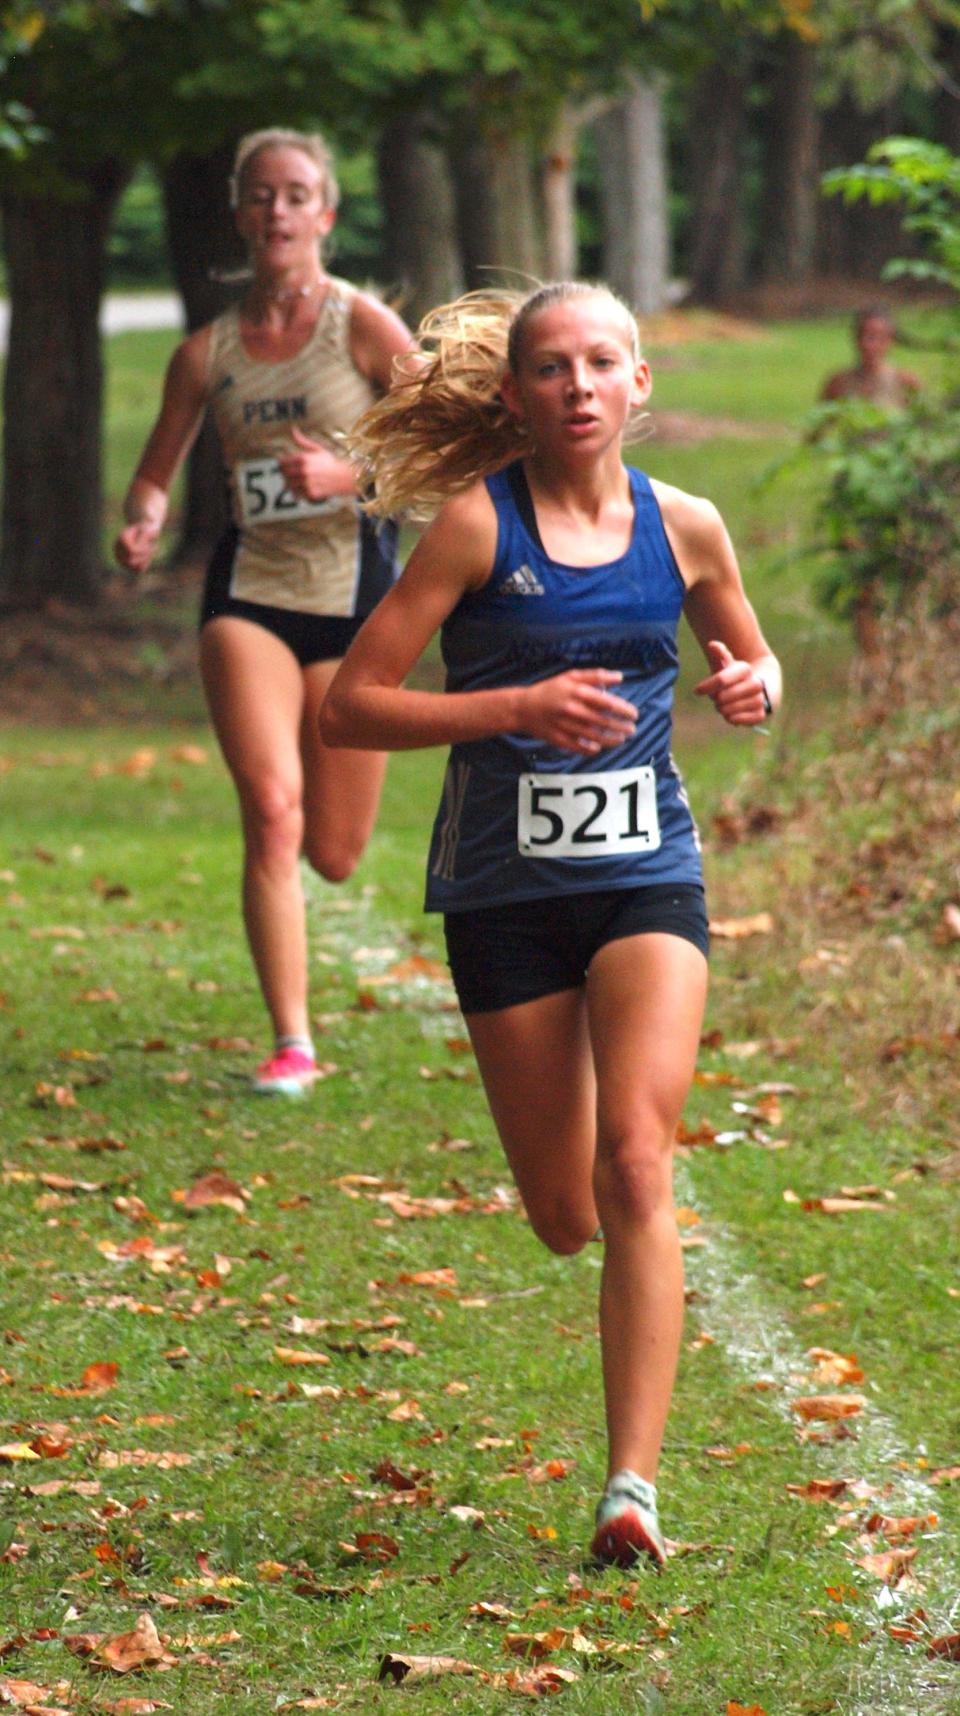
(564, 854)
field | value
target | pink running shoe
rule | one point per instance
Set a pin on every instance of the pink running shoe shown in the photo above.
(627, 1524)
(287, 1072)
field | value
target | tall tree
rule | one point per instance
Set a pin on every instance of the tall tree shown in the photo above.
(631, 150)
(419, 211)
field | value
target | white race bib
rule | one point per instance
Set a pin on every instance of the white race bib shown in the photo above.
(588, 816)
(265, 498)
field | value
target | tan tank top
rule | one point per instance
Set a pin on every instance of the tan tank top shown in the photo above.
(291, 553)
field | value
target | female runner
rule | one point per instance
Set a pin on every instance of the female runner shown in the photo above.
(564, 854)
(285, 373)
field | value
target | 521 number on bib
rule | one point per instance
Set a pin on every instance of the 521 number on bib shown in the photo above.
(588, 816)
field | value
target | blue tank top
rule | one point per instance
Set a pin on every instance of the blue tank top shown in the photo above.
(510, 802)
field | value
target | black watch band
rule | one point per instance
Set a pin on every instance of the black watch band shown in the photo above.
(767, 705)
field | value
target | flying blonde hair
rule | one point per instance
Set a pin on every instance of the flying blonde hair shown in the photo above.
(443, 425)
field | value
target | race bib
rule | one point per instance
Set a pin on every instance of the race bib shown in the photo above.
(588, 816)
(265, 498)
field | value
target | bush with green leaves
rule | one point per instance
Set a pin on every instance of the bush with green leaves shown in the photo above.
(890, 516)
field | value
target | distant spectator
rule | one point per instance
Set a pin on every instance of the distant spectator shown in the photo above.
(873, 379)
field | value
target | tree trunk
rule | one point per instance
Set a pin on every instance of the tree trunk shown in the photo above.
(948, 95)
(631, 152)
(420, 226)
(792, 186)
(558, 195)
(718, 243)
(496, 208)
(855, 239)
(202, 239)
(52, 503)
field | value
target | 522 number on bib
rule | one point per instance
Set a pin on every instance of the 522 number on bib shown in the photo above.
(588, 816)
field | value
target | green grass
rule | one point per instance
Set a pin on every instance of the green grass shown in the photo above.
(126, 1002)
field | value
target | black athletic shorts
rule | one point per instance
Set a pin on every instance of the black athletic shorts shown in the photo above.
(502, 955)
(311, 637)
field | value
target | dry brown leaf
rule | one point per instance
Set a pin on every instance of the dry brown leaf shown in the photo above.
(819, 1489)
(125, 1652)
(297, 1355)
(372, 1546)
(21, 1692)
(828, 1406)
(735, 929)
(843, 1205)
(213, 1188)
(947, 1647)
(164, 1460)
(890, 1565)
(399, 1668)
(897, 1528)
(735, 1709)
(13, 1451)
(835, 1367)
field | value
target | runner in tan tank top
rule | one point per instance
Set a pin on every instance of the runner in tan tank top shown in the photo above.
(286, 373)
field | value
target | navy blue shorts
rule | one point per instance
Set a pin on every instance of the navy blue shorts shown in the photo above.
(502, 955)
(311, 637)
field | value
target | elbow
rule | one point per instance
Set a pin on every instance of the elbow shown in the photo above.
(333, 726)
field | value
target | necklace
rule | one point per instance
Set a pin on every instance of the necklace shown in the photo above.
(283, 294)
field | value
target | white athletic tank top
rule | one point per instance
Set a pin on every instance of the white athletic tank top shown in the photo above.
(291, 553)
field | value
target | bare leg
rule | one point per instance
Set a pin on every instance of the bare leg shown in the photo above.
(341, 788)
(254, 688)
(645, 997)
(537, 1069)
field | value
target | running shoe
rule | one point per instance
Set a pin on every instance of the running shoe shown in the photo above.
(287, 1072)
(627, 1524)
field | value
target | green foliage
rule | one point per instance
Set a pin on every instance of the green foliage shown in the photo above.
(891, 511)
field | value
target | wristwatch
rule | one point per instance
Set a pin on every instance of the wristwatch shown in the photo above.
(767, 705)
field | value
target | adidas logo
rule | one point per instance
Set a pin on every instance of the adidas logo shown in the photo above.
(522, 582)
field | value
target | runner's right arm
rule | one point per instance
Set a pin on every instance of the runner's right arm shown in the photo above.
(184, 401)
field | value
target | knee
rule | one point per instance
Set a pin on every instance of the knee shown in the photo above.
(333, 858)
(273, 821)
(633, 1179)
(562, 1228)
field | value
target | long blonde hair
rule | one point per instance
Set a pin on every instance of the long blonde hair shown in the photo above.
(444, 425)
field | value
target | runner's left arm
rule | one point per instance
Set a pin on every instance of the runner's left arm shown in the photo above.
(745, 681)
(377, 336)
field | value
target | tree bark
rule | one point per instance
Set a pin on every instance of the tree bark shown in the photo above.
(855, 239)
(202, 240)
(718, 242)
(419, 213)
(792, 181)
(631, 152)
(52, 505)
(496, 207)
(558, 167)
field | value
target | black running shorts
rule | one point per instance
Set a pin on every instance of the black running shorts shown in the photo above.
(502, 955)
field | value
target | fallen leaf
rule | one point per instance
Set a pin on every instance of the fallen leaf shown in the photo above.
(12, 1451)
(125, 1652)
(297, 1355)
(372, 1546)
(835, 1367)
(735, 929)
(890, 1565)
(819, 1489)
(399, 1668)
(828, 1406)
(213, 1188)
(947, 1647)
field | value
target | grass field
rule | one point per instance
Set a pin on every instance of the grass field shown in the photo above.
(354, 1419)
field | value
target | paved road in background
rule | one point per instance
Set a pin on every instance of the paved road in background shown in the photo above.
(121, 311)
